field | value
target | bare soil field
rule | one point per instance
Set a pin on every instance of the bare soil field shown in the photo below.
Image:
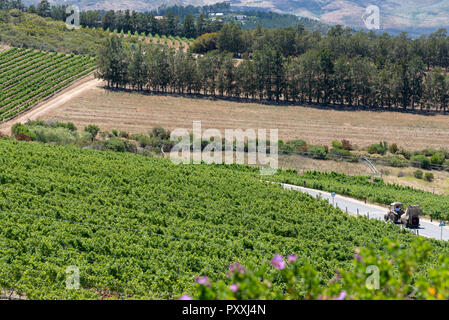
(137, 113)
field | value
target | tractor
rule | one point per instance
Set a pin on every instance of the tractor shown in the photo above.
(408, 218)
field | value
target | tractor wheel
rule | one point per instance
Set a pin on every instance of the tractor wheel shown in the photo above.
(395, 218)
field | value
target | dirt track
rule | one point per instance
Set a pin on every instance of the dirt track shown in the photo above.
(58, 100)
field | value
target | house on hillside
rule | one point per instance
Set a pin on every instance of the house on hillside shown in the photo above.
(240, 17)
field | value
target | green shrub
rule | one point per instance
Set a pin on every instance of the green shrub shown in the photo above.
(114, 144)
(144, 140)
(406, 154)
(130, 146)
(418, 174)
(437, 158)
(396, 162)
(124, 134)
(20, 128)
(428, 176)
(58, 135)
(337, 144)
(393, 148)
(318, 152)
(293, 145)
(399, 277)
(428, 152)
(159, 132)
(339, 152)
(93, 130)
(380, 148)
(420, 161)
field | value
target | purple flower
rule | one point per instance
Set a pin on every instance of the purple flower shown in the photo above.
(202, 280)
(237, 267)
(342, 295)
(358, 257)
(234, 287)
(291, 258)
(185, 297)
(278, 262)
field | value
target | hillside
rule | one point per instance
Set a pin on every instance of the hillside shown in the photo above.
(21, 29)
(414, 16)
(143, 227)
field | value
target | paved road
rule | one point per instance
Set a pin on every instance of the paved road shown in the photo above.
(352, 206)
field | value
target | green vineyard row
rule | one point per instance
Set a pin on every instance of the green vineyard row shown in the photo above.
(362, 187)
(28, 76)
(142, 227)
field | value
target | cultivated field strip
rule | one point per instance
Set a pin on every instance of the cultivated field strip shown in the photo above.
(28, 76)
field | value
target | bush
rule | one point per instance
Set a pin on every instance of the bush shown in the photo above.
(58, 135)
(393, 148)
(380, 148)
(428, 176)
(428, 152)
(406, 154)
(293, 145)
(20, 128)
(160, 133)
(418, 174)
(346, 145)
(437, 158)
(69, 125)
(143, 140)
(337, 144)
(396, 162)
(420, 161)
(114, 144)
(340, 152)
(205, 43)
(93, 130)
(292, 278)
(318, 152)
(124, 134)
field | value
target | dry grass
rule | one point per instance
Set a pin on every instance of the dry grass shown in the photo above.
(134, 112)
(4, 47)
(137, 113)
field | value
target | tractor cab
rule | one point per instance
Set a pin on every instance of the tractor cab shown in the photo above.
(395, 211)
(397, 208)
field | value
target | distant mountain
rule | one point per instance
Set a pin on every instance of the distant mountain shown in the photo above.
(395, 15)
(413, 16)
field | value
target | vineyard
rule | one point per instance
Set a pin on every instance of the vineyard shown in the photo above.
(171, 41)
(362, 187)
(142, 227)
(28, 76)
